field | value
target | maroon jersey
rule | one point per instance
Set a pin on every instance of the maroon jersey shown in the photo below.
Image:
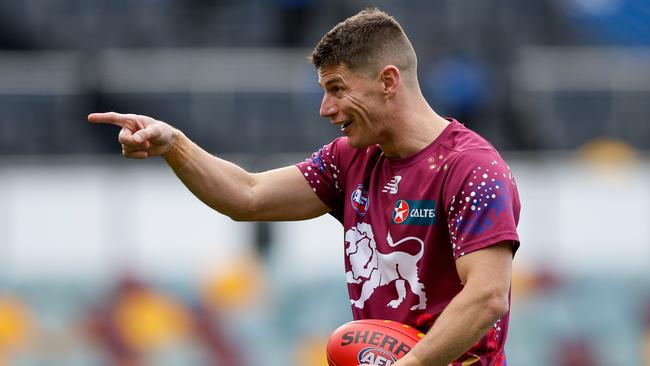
(406, 221)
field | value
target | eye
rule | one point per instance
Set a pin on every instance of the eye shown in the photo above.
(335, 89)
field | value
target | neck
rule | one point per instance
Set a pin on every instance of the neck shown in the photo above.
(413, 127)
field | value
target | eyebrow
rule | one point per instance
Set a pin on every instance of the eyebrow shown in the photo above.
(336, 79)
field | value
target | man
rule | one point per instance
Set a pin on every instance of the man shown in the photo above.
(424, 202)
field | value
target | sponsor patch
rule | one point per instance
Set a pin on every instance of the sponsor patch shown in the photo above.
(360, 200)
(410, 212)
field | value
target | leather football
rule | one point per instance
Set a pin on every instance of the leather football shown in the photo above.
(370, 341)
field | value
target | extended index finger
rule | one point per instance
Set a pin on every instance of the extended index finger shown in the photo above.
(112, 118)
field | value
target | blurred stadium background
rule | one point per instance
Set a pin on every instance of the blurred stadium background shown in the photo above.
(107, 261)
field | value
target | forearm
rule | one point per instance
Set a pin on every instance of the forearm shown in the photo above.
(220, 184)
(466, 319)
(274, 195)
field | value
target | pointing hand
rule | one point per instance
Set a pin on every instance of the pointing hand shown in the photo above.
(140, 136)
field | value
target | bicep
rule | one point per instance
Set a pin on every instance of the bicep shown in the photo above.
(487, 268)
(284, 195)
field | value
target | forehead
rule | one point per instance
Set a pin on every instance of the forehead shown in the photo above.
(329, 74)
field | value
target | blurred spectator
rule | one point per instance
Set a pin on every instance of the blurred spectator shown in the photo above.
(220, 350)
(134, 320)
(311, 351)
(138, 320)
(608, 152)
(235, 286)
(539, 282)
(645, 343)
(233, 290)
(458, 85)
(575, 352)
(15, 324)
(623, 22)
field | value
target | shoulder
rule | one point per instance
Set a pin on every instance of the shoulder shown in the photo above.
(472, 159)
(462, 139)
(467, 149)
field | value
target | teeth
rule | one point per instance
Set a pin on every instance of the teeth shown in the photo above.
(345, 124)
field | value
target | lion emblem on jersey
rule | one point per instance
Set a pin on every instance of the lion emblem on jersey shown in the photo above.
(374, 269)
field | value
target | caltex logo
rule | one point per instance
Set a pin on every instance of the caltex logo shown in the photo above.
(360, 200)
(414, 212)
(401, 211)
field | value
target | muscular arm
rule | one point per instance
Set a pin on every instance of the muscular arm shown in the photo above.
(279, 194)
(486, 275)
(275, 195)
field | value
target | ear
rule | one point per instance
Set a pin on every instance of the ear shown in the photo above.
(390, 79)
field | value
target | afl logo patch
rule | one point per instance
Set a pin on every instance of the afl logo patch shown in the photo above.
(360, 200)
(376, 356)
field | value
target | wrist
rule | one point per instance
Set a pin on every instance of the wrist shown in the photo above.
(173, 153)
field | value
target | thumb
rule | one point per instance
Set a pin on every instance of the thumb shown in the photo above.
(139, 136)
(157, 134)
(144, 134)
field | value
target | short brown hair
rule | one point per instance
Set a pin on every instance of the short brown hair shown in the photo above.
(366, 42)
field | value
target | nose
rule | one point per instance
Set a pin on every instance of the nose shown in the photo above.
(327, 106)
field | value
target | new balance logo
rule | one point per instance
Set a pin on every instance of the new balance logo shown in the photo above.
(391, 187)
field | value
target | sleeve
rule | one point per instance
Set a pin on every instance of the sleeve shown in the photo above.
(481, 202)
(323, 174)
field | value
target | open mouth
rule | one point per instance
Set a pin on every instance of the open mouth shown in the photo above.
(345, 124)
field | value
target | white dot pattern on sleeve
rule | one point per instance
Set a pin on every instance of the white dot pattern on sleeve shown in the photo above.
(318, 165)
(479, 194)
